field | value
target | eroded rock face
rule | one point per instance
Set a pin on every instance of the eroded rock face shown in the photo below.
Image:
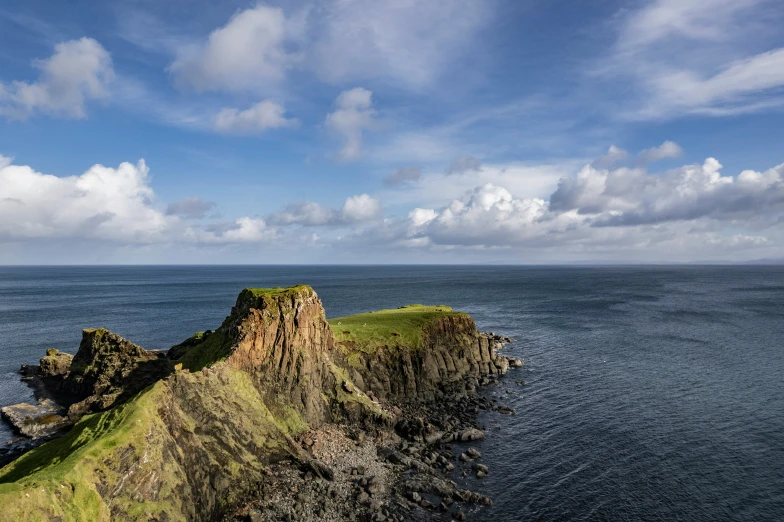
(453, 354)
(108, 369)
(283, 341)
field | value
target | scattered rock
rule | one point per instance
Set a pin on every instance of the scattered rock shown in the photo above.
(480, 468)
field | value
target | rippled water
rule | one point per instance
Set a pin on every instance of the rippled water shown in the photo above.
(651, 393)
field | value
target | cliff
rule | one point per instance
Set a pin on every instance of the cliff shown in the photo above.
(225, 404)
(415, 352)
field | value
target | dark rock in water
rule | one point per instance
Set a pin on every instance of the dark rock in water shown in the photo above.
(473, 453)
(39, 420)
(506, 410)
(459, 516)
(30, 370)
(480, 468)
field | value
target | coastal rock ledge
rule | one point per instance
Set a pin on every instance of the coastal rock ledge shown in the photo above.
(267, 417)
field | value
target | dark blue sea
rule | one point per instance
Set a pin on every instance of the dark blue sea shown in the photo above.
(651, 393)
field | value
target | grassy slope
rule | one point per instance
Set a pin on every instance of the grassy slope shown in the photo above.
(59, 478)
(402, 326)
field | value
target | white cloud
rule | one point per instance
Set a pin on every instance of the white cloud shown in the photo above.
(695, 20)
(355, 210)
(360, 208)
(489, 215)
(78, 71)
(249, 53)
(612, 213)
(730, 88)
(668, 149)
(632, 196)
(699, 57)
(102, 203)
(193, 208)
(533, 180)
(353, 115)
(112, 205)
(258, 118)
(243, 230)
(410, 42)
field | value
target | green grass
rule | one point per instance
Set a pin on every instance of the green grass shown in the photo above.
(402, 326)
(57, 478)
(215, 348)
(277, 290)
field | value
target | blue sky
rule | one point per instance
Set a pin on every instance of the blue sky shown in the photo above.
(346, 131)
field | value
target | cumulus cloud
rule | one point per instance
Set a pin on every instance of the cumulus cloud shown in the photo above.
(355, 210)
(633, 197)
(192, 208)
(249, 53)
(668, 149)
(489, 215)
(115, 205)
(353, 115)
(78, 71)
(258, 118)
(606, 211)
(404, 175)
(102, 203)
(464, 164)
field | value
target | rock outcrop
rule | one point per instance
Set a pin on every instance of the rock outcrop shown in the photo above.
(450, 354)
(186, 436)
(108, 369)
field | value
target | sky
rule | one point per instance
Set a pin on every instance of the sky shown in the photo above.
(406, 131)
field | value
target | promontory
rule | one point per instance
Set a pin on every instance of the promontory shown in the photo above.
(278, 414)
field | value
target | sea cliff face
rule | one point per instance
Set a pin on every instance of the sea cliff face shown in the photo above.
(190, 434)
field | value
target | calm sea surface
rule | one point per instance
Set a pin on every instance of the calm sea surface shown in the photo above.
(650, 393)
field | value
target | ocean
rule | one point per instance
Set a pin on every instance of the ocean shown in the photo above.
(648, 393)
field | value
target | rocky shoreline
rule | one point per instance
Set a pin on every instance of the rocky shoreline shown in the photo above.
(403, 472)
(270, 417)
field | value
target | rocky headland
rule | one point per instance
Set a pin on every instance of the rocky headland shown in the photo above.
(279, 414)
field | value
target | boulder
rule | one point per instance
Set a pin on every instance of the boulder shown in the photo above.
(471, 434)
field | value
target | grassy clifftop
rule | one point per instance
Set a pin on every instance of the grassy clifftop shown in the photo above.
(404, 326)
